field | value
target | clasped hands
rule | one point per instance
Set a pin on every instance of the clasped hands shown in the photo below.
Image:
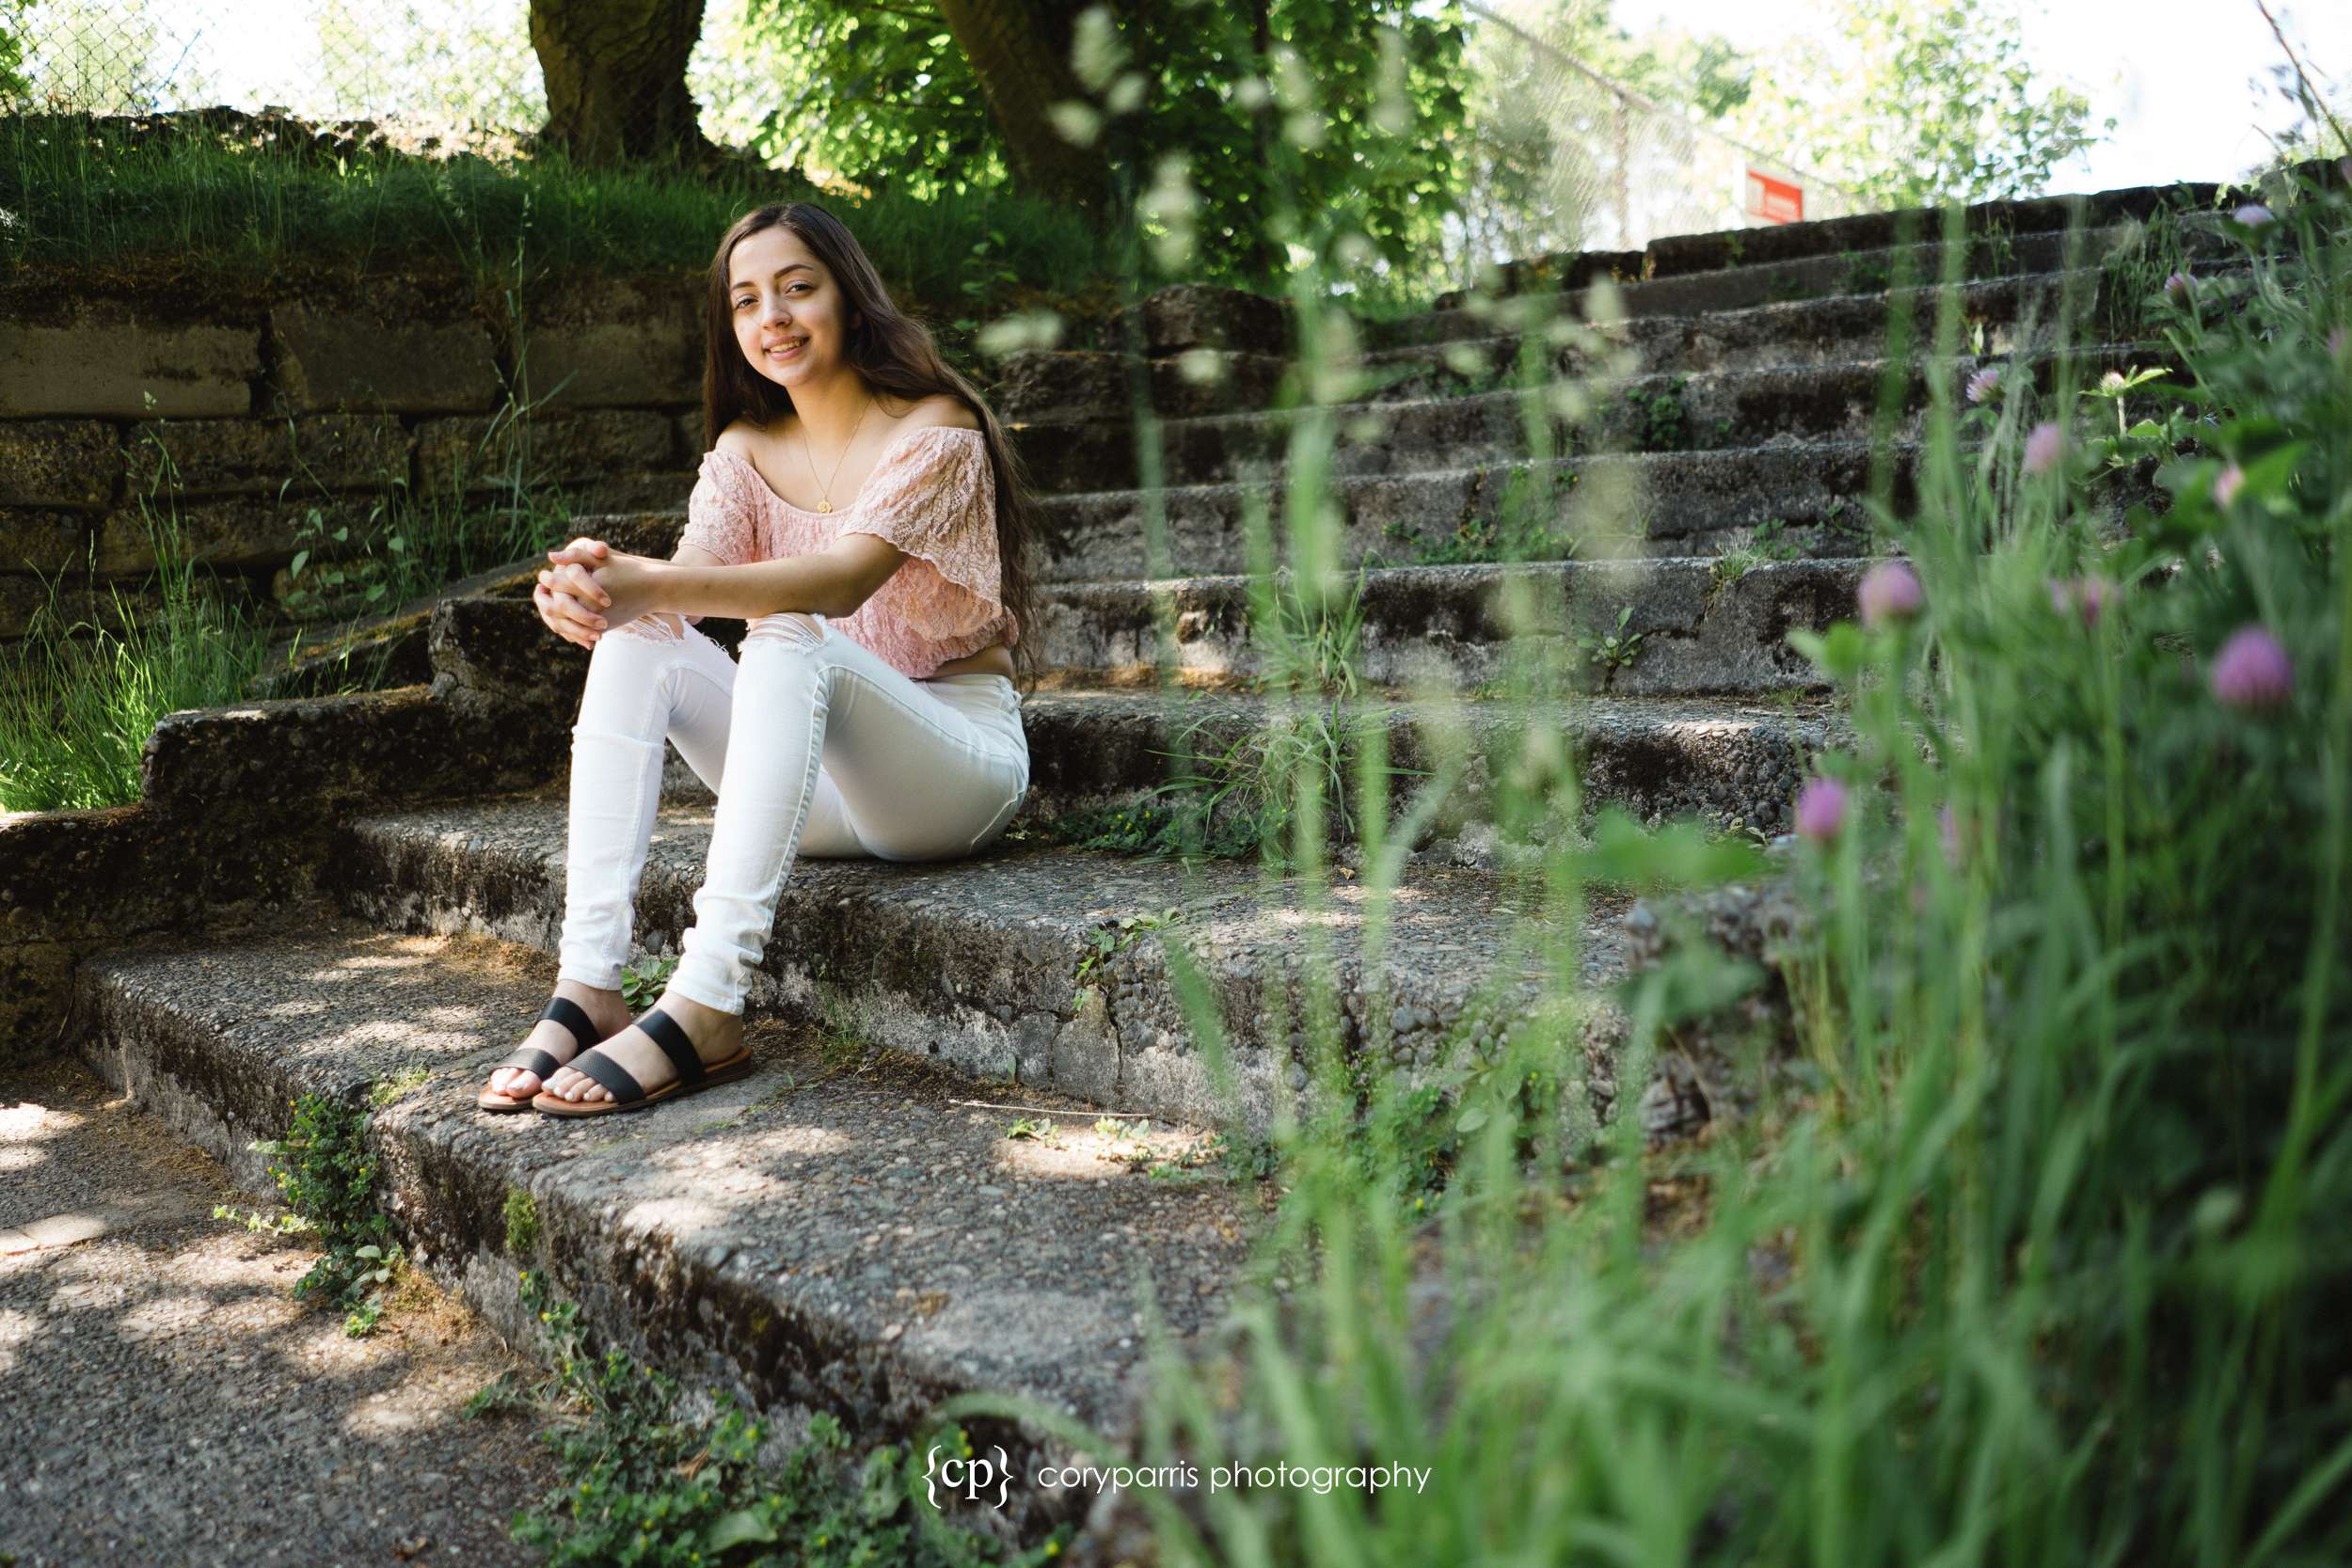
(588, 588)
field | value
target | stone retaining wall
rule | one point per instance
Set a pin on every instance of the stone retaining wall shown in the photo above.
(242, 416)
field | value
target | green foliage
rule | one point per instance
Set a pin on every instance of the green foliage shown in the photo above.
(328, 1179)
(1106, 942)
(1933, 101)
(1615, 649)
(1656, 419)
(641, 985)
(522, 1221)
(2016, 1232)
(78, 700)
(903, 110)
(12, 82)
(645, 1483)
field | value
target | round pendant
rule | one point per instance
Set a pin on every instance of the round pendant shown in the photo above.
(824, 506)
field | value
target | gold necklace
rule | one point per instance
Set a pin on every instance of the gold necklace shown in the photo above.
(824, 487)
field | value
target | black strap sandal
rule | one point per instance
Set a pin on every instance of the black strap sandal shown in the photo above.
(629, 1095)
(568, 1013)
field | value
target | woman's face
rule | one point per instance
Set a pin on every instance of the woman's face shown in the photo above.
(788, 311)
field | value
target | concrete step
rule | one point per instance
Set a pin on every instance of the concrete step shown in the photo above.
(1475, 350)
(1707, 411)
(1869, 270)
(1806, 498)
(1999, 233)
(819, 1236)
(1702, 630)
(1015, 964)
(1655, 757)
(1092, 743)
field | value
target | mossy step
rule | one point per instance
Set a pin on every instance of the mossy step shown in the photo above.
(820, 1235)
(1705, 411)
(1478, 348)
(1015, 963)
(1702, 630)
(1094, 747)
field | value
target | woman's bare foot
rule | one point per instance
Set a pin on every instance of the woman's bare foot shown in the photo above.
(605, 1010)
(717, 1036)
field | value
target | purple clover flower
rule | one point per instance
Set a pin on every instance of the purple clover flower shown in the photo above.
(2044, 447)
(1820, 810)
(2084, 596)
(2254, 214)
(1984, 384)
(2251, 670)
(2227, 485)
(1889, 592)
(2180, 286)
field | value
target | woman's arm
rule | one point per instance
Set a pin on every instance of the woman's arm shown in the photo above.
(832, 582)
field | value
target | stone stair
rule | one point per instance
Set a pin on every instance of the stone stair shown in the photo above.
(865, 1238)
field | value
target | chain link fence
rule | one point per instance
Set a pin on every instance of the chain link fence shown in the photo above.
(426, 73)
(1563, 159)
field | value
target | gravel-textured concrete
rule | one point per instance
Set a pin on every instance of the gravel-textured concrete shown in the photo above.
(858, 1237)
(165, 1400)
(996, 965)
(1701, 630)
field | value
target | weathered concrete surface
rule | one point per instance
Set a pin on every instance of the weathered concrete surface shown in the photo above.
(596, 341)
(1702, 631)
(1655, 757)
(398, 347)
(1743, 407)
(53, 462)
(477, 452)
(996, 965)
(254, 457)
(119, 361)
(1466, 625)
(811, 1238)
(158, 1366)
(1650, 503)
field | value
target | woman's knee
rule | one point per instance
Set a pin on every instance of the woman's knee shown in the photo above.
(791, 628)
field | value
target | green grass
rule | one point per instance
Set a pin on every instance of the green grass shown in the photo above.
(223, 218)
(2028, 1246)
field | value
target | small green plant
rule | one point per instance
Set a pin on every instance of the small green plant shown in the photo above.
(640, 987)
(1865, 273)
(1107, 941)
(522, 1221)
(642, 1482)
(1615, 649)
(1726, 569)
(1032, 1129)
(1657, 420)
(414, 1076)
(328, 1179)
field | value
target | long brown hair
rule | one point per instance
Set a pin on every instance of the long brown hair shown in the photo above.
(895, 355)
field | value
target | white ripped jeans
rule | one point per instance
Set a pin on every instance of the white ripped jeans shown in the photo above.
(814, 745)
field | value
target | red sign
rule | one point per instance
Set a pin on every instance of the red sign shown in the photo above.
(1775, 200)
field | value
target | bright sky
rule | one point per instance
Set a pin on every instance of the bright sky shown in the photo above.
(2187, 80)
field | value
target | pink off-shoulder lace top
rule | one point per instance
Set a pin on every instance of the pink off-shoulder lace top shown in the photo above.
(931, 493)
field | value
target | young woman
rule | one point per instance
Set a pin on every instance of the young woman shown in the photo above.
(861, 510)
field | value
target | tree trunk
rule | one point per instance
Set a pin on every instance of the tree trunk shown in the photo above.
(615, 74)
(1020, 51)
